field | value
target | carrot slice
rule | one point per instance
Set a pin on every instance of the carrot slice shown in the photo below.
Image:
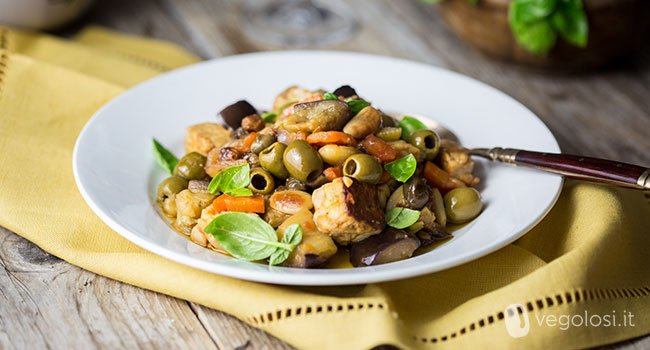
(322, 138)
(219, 204)
(244, 204)
(379, 148)
(440, 179)
(333, 173)
(248, 142)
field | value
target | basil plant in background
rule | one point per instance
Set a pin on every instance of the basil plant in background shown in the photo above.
(536, 24)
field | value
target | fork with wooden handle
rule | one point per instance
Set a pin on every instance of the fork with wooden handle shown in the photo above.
(578, 167)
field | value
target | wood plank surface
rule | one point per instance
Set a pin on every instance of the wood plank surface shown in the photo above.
(48, 303)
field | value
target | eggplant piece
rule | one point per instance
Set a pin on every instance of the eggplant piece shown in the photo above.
(315, 116)
(416, 193)
(388, 246)
(237, 111)
(436, 233)
(345, 91)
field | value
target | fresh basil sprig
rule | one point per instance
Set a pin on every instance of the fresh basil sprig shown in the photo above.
(537, 23)
(232, 181)
(164, 158)
(401, 217)
(403, 168)
(292, 235)
(248, 237)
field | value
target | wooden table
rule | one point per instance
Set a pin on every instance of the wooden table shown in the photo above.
(48, 303)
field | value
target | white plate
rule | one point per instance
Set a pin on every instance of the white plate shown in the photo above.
(116, 173)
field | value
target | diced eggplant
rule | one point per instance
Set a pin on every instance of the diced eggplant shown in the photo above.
(388, 246)
(345, 91)
(237, 111)
(315, 116)
(428, 236)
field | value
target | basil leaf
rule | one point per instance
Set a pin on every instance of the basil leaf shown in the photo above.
(213, 187)
(293, 236)
(357, 105)
(245, 236)
(401, 217)
(235, 177)
(537, 37)
(409, 125)
(570, 21)
(528, 11)
(164, 158)
(329, 96)
(269, 116)
(403, 168)
(240, 192)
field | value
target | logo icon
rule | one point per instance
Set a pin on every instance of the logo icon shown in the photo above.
(517, 322)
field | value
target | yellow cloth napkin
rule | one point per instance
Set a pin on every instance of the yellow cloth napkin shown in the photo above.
(590, 255)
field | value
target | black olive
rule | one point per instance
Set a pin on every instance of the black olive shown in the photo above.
(345, 91)
(234, 113)
(416, 193)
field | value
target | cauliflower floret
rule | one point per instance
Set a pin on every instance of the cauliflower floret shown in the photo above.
(204, 137)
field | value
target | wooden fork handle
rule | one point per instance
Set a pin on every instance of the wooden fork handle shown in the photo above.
(579, 167)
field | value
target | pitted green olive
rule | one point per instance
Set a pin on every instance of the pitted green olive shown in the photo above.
(302, 161)
(363, 167)
(426, 140)
(271, 160)
(261, 181)
(261, 143)
(462, 204)
(191, 166)
(171, 186)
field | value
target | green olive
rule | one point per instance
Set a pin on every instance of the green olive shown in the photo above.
(363, 167)
(271, 160)
(191, 166)
(302, 161)
(171, 186)
(426, 140)
(261, 181)
(336, 154)
(416, 193)
(462, 204)
(261, 143)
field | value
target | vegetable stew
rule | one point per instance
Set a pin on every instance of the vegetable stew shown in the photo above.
(321, 172)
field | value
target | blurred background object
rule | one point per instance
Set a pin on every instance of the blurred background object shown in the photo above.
(298, 23)
(41, 14)
(558, 34)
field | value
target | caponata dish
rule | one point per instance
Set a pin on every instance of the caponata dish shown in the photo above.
(319, 173)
